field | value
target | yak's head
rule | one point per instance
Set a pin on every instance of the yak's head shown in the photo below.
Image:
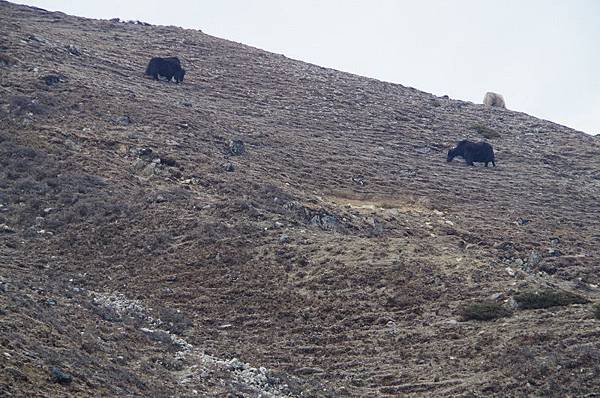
(456, 151)
(451, 155)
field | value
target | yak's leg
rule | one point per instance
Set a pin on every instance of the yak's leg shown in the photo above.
(486, 164)
(155, 76)
(493, 163)
(469, 160)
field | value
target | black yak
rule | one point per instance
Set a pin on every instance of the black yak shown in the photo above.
(167, 67)
(473, 152)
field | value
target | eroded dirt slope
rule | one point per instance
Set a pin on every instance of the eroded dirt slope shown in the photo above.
(334, 260)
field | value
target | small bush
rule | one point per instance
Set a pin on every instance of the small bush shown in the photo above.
(596, 310)
(547, 298)
(486, 132)
(485, 311)
(175, 322)
(6, 60)
(21, 105)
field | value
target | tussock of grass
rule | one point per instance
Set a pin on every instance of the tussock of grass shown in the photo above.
(596, 310)
(5, 60)
(485, 311)
(486, 132)
(547, 298)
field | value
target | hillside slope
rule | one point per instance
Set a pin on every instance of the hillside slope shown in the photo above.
(334, 260)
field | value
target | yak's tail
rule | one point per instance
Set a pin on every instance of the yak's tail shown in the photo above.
(150, 68)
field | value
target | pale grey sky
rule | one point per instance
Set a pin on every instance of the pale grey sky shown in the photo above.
(542, 55)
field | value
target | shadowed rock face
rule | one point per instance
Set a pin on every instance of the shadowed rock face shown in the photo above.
(336, 260)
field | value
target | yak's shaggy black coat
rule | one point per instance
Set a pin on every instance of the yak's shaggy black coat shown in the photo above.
(167, 67)
(473, 152)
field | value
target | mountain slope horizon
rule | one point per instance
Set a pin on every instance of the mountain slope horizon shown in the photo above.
(335, 256)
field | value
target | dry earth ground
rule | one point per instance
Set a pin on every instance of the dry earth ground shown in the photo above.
(335, 260)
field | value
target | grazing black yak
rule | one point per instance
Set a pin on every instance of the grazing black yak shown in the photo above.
(167, 67)
(473, 152)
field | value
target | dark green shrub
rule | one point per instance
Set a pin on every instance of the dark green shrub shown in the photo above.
(486, 132)
(485, 311)
(547, 298)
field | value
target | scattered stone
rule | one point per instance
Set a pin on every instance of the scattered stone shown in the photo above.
(236, 147)
(554, 252)
(150, 170)
(32, 38)
(144, 153)
(51, 302)
(228, 167)
(534, 258)
(236, 364)
(308, 371)
(519, 262)
(136, 22)
(512, 303)
(359, 180)
(51, 80)
(510, 271)
(5, 60)
(377, 228)
(16, 374)
(496, 296)
(168, 162)
(5, 229)
(138, 165)
(187, 104)
(58, 376)
(284, 238)
(124, 120)
(74, 50)
(72, 145)
(115, 20)
(506, 246)
(325, 221)
(522, 221)
(157, 335)
(555, 241)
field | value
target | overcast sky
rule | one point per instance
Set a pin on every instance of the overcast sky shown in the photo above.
(542, 55)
